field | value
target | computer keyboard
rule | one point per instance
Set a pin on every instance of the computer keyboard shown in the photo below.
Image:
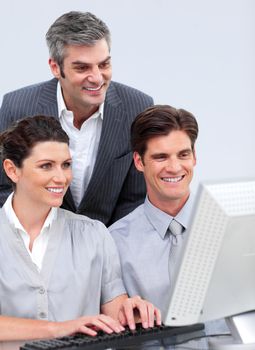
(126, 338)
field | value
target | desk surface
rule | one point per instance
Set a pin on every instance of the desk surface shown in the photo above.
(201, 344)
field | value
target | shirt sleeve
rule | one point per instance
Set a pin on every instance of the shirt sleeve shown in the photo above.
(112, 284)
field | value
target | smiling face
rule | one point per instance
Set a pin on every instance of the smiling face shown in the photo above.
(44, 177)
(167, 166)
(87, 75)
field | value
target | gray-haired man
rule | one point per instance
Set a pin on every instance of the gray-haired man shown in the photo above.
(95, 112)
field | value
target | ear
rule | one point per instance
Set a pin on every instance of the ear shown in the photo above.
(11, 170)
(55, 69)
(138, 162)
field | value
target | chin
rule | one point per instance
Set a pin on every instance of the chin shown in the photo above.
(56, 203)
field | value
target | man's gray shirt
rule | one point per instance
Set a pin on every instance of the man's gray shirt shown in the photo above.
(142, 238)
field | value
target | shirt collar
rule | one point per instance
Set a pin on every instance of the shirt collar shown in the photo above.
(161, 220)
(13, 219)
(62, 106)
(158, 218)
(184, 215)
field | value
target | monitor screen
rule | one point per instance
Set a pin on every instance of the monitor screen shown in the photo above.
(215, 277)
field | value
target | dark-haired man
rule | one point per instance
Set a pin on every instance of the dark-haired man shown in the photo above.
(95, 112)
(150, 238)
(163, 141)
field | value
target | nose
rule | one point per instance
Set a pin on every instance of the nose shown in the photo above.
(59, 176)
(173, 165)
(95, 75)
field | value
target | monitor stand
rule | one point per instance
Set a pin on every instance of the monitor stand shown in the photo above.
(242, 330)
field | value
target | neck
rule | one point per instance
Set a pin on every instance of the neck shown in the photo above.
(80, 118)
(31, 216)
(80, 112)
(169, 206)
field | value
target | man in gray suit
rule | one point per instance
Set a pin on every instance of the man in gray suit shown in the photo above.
(95, 112)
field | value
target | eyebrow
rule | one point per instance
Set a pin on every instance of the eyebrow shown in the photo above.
(76, 63)
(52, 161)
(186, 150)
(165, 154)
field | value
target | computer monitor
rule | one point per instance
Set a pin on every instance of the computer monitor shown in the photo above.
(215, 277)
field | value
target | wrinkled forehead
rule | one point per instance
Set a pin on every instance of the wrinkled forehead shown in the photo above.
(99, 50)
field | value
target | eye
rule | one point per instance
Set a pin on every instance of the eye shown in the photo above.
(105, 65)
(80, 69)
(185, 154)
(160, 157)
(67, 165)
(46, 166)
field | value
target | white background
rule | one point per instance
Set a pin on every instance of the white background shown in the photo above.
(192, 54)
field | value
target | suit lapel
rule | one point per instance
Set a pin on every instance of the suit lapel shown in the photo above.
(48, 99)
(110, 139)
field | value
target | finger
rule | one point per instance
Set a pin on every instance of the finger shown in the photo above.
(86, 330)
(102, 326)
(94, 323)
(110, 322)
(129, 313)
(122, 318)
(142, 307)
(158, 316)
(151, 314)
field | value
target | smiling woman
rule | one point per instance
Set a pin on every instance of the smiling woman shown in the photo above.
(37, 160)
(44, 176)
(64, 266)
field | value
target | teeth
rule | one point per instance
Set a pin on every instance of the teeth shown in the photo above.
(55, 190)
(93, 89)
(172, 179)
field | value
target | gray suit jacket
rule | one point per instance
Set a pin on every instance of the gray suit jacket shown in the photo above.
(116, 187)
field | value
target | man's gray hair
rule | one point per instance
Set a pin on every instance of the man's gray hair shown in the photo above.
(75, 28)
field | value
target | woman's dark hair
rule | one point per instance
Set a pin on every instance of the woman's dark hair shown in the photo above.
(17, 142)
(160, 120)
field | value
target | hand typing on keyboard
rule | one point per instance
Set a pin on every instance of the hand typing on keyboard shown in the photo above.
(130, 311)
(88, 325)
(136, 309)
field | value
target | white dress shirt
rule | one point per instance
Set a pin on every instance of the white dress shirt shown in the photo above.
(41, 241)
(83, 145)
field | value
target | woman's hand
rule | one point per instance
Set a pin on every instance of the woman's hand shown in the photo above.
(87, 325)
(14, 328)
